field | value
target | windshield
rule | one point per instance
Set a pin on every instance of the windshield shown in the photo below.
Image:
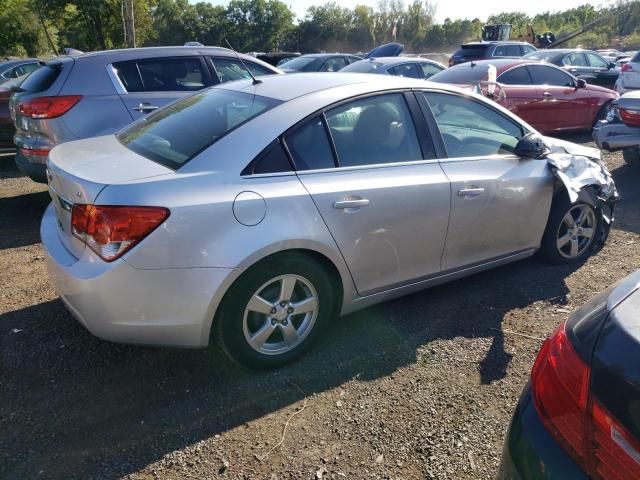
(174, 135)
(299, 63)
(362, 66)
(465, 74)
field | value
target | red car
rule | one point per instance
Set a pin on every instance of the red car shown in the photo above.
(545, 96)
(6, 123)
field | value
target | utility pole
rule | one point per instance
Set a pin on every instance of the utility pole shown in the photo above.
(129, 23)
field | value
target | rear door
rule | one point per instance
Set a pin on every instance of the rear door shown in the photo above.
(565, 106)
(149, 84)
(499, 202)
(522, 97)
(370, 168)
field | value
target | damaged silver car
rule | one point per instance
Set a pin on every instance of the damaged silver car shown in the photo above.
(621, 129)
(254, 212)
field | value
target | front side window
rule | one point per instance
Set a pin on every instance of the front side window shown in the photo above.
(229, 69)
(513, 51)
(596, 61)
(334, 64)
(472, 129)
(545, 75)
(162, 75)
(527, 49)
(515, 76)
(175, 134)
(374, 130)
(429, 70)
(406, 70)
(500, 51)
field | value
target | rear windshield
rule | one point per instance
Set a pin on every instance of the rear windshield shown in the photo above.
(42, 78)
(465, 74)
(174, 135)
(362, 66)
(471, 51)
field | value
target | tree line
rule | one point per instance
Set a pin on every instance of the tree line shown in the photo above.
(44, 27)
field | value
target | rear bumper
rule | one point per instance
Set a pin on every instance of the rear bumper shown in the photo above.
(529, 450)
(36, 171)
(117, 302)
(614, 136)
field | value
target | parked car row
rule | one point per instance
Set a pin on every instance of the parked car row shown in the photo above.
(168, 227)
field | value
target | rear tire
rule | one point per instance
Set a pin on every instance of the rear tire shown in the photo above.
(257, 325)
(571, 231)
(631, 155)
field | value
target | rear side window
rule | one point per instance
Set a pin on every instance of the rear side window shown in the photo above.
(471, 51)
(543, 75)
(507, 51)
(309, 146)
(527, 49)
(162, 75)
(407, 70)
(429, 69)
(41, 79)
(272, 160)
(230, 69)
(374, 130)
(515, 76)
(362, 66)
(334, 64)
(575, 59)
(175, 134)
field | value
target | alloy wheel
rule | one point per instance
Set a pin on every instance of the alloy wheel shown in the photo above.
(576, 231)
(280, 314)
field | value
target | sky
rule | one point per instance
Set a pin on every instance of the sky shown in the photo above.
(454, 9)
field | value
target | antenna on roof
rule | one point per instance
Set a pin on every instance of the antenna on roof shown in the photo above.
(255, 80)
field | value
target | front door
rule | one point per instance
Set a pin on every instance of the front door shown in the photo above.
(499, 202)
(379, 189)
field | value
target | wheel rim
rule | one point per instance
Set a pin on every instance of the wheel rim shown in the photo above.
(280, 314)
(576, 231)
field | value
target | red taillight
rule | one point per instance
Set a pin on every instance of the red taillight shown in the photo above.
(630, 117)
(451, 62)
(110, 231)
(575, 418)
(48, 107)
(35, 152)
(626, 68)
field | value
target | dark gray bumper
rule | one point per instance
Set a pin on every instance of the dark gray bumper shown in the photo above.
(614, 136)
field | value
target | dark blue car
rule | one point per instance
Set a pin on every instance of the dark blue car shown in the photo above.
(579, 415)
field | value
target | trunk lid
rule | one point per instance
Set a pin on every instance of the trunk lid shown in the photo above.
(78, 171)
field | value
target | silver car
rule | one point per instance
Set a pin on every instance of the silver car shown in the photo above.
(93, 94)
(254, 212)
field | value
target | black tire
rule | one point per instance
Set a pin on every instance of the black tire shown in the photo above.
(631, 155)
(602, 113)
(229, 324)
(557, 228)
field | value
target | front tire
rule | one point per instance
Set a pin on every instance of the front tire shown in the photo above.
(571, 231)
(602, 113)
(275, 311)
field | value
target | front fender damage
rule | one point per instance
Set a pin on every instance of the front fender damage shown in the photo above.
(586, 179)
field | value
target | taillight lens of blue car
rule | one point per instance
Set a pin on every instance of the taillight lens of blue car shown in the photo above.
(110, 231)
(597, 442)
(48, 107)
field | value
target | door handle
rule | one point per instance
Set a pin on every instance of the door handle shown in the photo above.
(547, 94)
(145, 107)
(351, 204)
(470, 192)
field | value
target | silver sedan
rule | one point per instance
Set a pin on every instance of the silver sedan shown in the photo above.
(252, 213)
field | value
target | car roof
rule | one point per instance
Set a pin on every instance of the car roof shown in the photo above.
(396, 60)
(501, 64)
(157, 52)
(288, 87)
(322, 55)
(497, 42)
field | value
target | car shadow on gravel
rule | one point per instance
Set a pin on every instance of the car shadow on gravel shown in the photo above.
(8, 167)
(20, 219)
(72, 405)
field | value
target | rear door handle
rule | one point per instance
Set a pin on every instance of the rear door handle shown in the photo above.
(470, 192)
(351, 204)
(547, 94)
(145, 107)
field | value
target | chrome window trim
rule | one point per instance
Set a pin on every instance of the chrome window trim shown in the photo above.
(115, 80)
(372, 166)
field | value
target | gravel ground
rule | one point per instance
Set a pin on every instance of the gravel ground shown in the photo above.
(423, 386)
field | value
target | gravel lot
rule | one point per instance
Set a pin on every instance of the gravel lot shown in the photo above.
(423, 386)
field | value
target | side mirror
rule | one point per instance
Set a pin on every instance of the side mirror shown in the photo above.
(612, 65)
(582, 83)
(531, 146)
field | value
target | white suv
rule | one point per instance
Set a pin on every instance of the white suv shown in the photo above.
(629, 78)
